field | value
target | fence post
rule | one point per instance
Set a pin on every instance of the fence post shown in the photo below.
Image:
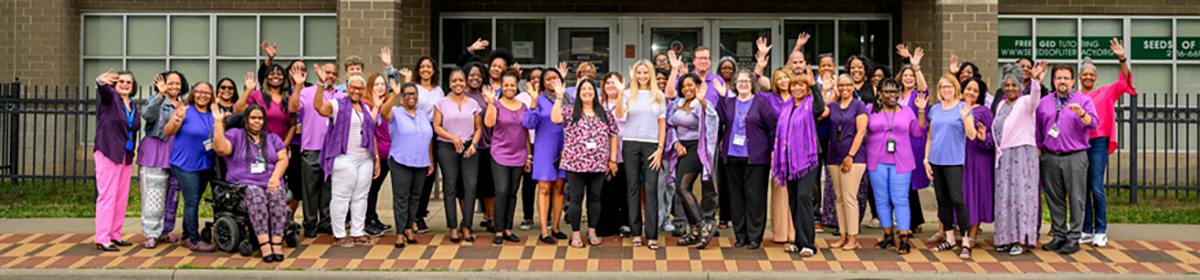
(14, 128)
(1133, 150)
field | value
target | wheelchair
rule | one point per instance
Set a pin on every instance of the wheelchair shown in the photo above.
(231, 229)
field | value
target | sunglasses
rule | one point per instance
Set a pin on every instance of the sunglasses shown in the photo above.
(662, 61)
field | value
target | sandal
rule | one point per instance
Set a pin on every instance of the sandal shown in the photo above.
(345, 242)
(887, 241)
(363, 240)
(936, 239)
(807, 252)
(593, 240)
(904, 248)
(653, 245)
(637, 242)
(706, 236)
(791, 248)
(965, 253)
(945, 246)
(576, 240)
(691, 238)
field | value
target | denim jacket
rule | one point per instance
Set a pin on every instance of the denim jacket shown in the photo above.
(158, 111)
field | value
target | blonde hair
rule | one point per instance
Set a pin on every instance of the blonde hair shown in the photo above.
(634, 87)
(953, 80)
(776, 75)
(587, 64)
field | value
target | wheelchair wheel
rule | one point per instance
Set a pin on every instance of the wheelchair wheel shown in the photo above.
(245, 247)
(226, 234)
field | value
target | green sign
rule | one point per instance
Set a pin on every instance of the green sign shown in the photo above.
(1151, 47)
(1015, 46)
(1057, 47)
(1097, 47)
(1188, 48)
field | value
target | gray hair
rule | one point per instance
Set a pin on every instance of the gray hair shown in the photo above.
(1087, 63)
(1012, 71)
(731, 60)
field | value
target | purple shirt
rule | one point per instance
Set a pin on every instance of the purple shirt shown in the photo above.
(458, 119)
(155, 152)
(760, 129)
(113, 127)
(846, 121)
(902, 126)
(415, 133)
(238, 162)
(1073, 134)
(711, 79)
(312, 123)
(508, 146)
(485, 137)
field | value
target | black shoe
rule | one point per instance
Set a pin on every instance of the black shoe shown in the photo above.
(310, 234)
(548, 240)
(559, 235)
(837, 231)
(121, 243)
(885, 242)
(679, 231)
(109, 248)
(753, 245)
(1070, 248)
(1054, 245)
(400, 245)
(373, 231)
(739, 243)
(499, 239)
(512, 238)
(325, 230)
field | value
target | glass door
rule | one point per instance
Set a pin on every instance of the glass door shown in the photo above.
(681, 36)
(737, 39)
(580, 41)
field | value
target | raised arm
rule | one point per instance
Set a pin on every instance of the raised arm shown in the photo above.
(677, 69)
(760, 58)
(221, 145)
(916, 63)
(480, 44)
(389, 101)
(298, 78)
(176, 120)
(556, 114)
(489, 97)
(251, 83)
(324, 108)
(801, 40)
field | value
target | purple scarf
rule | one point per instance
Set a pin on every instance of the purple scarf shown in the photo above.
(339, 134)
(706, 147)
(795, 142)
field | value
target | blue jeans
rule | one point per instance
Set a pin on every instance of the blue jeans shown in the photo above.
(1095, 208)
(891, 195)
(191, 187)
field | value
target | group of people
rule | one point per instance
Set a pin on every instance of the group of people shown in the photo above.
(823, 145)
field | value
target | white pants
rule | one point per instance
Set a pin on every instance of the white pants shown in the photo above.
(351, 184)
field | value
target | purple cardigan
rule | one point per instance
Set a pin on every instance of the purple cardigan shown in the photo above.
(339, 133)
(112, 125)
(760, 129)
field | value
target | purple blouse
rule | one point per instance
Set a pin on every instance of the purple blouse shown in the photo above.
(458, 120)
(243, 155)
(902, 126)
(508, 145)
(114, 127)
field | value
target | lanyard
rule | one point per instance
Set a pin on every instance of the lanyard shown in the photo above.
(129, 111)
(208, 123)
(890, 119)
(742, 111)
(1059, 104)
(257, 153)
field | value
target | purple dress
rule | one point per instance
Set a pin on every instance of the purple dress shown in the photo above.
(978, 169)
(548, 140)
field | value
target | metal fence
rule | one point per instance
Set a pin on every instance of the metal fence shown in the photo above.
(47, 134)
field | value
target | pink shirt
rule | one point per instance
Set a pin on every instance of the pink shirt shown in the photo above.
(312, 123)
(277, 116)
(1020, 128)
(458, 120)
(1105, 99)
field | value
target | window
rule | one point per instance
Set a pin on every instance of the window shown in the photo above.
(202, 47)
(524, 38)
(870, 38)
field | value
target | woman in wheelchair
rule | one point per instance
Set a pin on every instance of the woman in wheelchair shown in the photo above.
(258, 160)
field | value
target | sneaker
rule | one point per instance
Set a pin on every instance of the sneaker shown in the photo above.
(625, 232)
(150, 243)
(1100, 240)
(374, 231)
(874, 223)
(1085, 238)
(820, 228)
(526, 225)
(669, 227)
(168, 239)
(1016, 250)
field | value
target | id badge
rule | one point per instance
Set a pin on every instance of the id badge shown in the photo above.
(258, 167)
(739, 140)
(1053, 132)
(590, 145)
(208, 145)
(129, 145)
(891, 145)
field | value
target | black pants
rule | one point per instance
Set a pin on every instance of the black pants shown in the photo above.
(294, 180)
(508, 179)
(952, 209)
(687, 170)
(914, 207)
(317, 192)
(637, 162)
(453, 164)
(612, 196)
(427, 189)
(407, 183)
(747, 197)
(800, 193)
(373, 198)
(528, 195)
(485, 187)
(591, 183)
(725, 212)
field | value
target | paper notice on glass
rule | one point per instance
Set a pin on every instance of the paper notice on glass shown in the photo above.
(745, 49)
(581, 45)
(522, 49)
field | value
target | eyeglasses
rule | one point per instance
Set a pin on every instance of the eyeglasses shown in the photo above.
(890, 91)
(356, 88)
(202, 91)
(701, 58)
(226, 88)
(662, 61)
(119, 82)
(587, 71)
(845, 85)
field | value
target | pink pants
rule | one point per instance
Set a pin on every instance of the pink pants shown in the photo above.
(112, 187)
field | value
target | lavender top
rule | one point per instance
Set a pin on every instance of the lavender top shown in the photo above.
(510, 135)
(238, 169)
(458, 119)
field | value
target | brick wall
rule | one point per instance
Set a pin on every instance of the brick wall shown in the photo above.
(674, 6)
(45, 42)
(7, 44)
(209, 5)
(1101, 7)
(364, 26)
(417, 32)
(967, 28)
